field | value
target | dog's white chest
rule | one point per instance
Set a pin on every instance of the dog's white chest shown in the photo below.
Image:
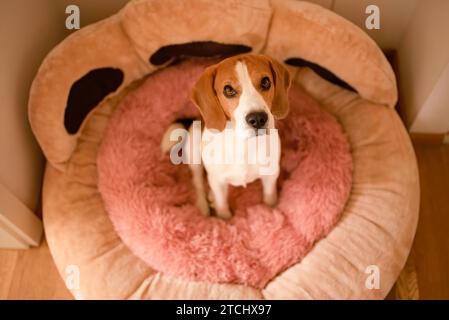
(241, 161)
(240, 175)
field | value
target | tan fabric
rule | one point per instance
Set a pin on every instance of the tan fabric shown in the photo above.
(377, 227)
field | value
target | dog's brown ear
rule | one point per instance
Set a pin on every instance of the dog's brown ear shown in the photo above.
(282, 82)
(206, 100)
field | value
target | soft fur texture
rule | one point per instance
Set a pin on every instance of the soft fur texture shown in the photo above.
(151, 201)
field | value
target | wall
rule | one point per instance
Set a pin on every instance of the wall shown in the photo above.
(28, 30)
(423, 62)
(433, 116)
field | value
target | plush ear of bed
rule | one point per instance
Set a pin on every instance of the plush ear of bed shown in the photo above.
(305, 31)
(101, 45)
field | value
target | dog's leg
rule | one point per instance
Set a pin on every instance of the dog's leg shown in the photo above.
(191, 151)
(220, 195)
(198, 183)
(269, 189)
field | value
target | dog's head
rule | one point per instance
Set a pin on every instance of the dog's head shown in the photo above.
(248, 90)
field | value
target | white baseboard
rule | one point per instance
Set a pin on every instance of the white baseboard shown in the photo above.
(20, 228)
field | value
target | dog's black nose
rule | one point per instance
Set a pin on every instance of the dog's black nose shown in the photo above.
(257, 120)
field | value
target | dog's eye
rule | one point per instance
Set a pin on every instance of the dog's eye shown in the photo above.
(229, 91)
(265, 83)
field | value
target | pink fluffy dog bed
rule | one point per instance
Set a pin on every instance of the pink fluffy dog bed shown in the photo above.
(151, 201)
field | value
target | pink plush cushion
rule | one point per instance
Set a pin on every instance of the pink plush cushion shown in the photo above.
(151, 201)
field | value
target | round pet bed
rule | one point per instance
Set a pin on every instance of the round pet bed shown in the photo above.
(152, 204)
(84, 79)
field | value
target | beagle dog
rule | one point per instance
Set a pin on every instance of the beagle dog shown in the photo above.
(239, 100)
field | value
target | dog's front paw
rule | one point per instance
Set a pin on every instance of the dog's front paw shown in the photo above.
(203, 206)
(270, 199)
(224, 213)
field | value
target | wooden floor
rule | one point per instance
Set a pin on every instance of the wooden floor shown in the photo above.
(431, 246)
(31, 274)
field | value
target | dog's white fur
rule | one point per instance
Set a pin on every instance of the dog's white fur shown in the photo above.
(221, 175)
(236, 174)
(250, 101)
